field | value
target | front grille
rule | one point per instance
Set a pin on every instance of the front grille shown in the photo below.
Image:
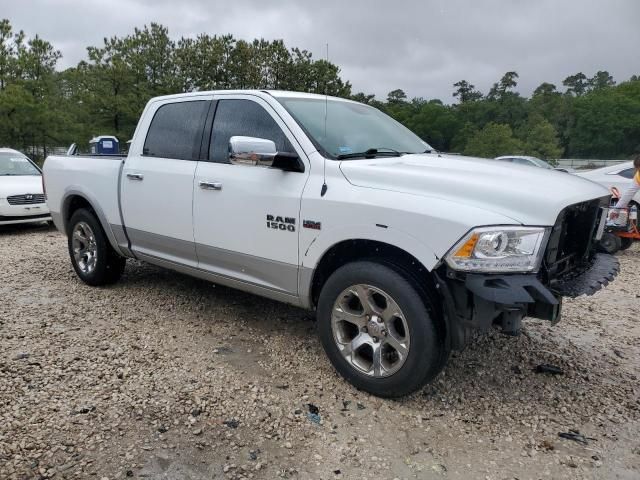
(26, 199)
(571, 244)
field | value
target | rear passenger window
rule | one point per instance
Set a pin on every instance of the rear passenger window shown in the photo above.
(628, 173)
(243, 118)
(176, 131)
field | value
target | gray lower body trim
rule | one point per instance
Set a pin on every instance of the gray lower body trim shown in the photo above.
(121, 239)
(160, 246)
(305, 277)
(248, 268)
(223, 280)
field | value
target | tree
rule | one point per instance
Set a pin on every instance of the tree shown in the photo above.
(363, 97)
(396, 96)
(432, 121)
(576, 84)
(506, 84)
(105, 93)
(492, 141)
(541, 139)
(545, 89)
(601, 80)
(7, 53)
(466, 92)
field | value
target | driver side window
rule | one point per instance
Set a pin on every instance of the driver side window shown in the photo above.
(243, 118)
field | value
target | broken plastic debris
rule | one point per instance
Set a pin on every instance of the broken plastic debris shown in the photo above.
(576, 436)
(548, 368)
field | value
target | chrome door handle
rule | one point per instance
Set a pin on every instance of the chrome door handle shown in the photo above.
(210, 185)
(135, 176)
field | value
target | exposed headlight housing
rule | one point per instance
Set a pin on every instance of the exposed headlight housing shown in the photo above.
(499, 249)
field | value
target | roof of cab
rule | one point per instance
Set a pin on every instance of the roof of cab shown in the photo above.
(260, 93)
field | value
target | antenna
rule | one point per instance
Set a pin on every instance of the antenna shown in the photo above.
(323, 190)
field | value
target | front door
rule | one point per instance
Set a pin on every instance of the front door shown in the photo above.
(157, 181)
(246, 218)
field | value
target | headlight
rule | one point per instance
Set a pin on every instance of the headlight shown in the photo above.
(498, 249)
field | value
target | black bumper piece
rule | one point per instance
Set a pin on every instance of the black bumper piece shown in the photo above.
(503, 300)
(587, 281)
(518, 289)
(509, 289)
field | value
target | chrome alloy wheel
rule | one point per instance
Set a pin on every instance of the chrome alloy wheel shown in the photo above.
(370, 330)
(85, 250)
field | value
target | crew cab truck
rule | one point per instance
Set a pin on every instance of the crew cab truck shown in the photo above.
(331, 205)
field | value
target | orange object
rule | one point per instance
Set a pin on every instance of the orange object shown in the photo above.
(466, 250)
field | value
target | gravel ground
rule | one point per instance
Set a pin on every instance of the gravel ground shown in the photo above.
(164, 376)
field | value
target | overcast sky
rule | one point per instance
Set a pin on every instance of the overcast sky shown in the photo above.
(422, 47)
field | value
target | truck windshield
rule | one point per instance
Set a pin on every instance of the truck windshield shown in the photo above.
(15, 164)
(352, 128)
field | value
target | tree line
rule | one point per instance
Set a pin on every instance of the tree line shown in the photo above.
(42, 106)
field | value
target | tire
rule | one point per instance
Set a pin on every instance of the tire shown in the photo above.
(610, 243)
(625, 243)
(383, 354)
(99, 264)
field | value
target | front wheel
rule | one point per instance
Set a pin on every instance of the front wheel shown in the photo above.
(378, 331)
(92, 257)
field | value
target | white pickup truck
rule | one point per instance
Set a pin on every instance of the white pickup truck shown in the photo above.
(331, 205)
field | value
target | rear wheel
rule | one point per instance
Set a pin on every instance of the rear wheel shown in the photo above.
(92, 257)
(378, 331)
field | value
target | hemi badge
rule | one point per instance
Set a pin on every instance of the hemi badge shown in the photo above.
(311, 224)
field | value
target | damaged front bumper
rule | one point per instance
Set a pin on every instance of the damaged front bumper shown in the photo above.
(479, 301)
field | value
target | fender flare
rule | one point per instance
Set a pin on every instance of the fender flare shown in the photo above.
(320, 245)
(77, 191)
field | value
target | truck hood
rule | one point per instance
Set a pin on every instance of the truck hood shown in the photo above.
(527, 195)
(19, 185)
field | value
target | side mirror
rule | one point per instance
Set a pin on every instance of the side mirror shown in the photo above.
(252, 151)
(262, 153)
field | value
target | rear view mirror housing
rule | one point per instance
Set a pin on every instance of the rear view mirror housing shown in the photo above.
(260, 152)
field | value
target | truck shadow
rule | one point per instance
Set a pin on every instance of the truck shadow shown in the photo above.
(25, 228)
(495, 370)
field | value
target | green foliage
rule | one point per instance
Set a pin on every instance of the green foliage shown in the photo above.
(396, 96)
(493, 140)
(576, 84)
(606, 122)
(466, 92)
(541, 139)
(41, 107)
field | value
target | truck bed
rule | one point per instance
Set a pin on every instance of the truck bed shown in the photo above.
(96, 177)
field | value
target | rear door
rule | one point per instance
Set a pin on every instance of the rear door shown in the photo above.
(157, 180)
(247, 227)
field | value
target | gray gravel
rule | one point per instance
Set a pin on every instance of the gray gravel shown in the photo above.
(164, 376)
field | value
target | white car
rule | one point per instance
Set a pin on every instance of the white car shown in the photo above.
(22, 197)
(331, 205)
(619, 176)
(531, 162)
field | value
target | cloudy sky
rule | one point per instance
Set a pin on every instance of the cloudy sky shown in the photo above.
(422, 47)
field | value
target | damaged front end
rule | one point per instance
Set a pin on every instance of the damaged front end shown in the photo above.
(570, 268)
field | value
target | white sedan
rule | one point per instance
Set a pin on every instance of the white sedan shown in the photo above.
(619, 176)
(531, 162)
(22, 197)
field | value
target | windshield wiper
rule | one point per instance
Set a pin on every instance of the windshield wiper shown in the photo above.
(372, 153)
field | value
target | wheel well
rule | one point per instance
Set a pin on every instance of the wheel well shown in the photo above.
(72, 204)
(355, 250)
